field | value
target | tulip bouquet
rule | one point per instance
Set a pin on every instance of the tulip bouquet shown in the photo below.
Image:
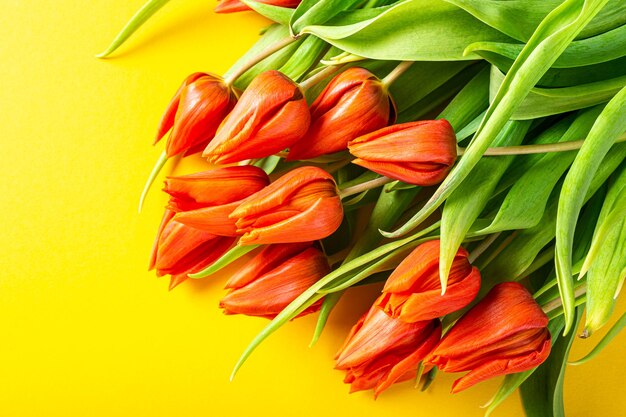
(468, 156)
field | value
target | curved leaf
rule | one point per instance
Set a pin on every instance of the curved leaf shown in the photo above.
(135, 22)
(608, 126)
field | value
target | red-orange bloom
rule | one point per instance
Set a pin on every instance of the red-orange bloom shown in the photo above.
(180, 250)
(413, 291)
(503, 334)
(195, 112)
(271, 115)
(231, 6)
(353, 104)
(381, 350)
(301, 206)
(273, 279)
(420, 153)
(205, 200)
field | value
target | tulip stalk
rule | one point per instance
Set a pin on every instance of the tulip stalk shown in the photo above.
(396, 73)
(536, 149)
(258, 58)
(368, 185)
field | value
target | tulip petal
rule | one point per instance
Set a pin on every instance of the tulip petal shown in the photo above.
(499, 367)
(214, 220)
(269, 294)
(266, 260)
(214, 187)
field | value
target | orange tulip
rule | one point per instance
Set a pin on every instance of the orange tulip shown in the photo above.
(273, 279)
(215, 187)
(271, 115)
(503, 334)
(413, 291)
(420, 153)
(301, 206)
(232, 6)
(353, 104)
(195, 112)
(180, 250)
(381, 350)
(205, 200)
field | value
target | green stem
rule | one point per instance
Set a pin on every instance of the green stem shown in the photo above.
(160, 163)
(556, 303)
(396, 72)
(226, 259)
(539, 148)
(368, 185)
(319, 76)
(258, 58)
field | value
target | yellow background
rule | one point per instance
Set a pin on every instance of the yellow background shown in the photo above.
(85, 329)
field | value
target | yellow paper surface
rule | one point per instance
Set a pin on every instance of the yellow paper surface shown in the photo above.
(85, 329)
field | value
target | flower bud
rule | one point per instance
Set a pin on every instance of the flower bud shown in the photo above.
(270, 281)
(271, 115)
(381, 350)
(354, 103)
(503, 334)
(181, 249)
(413, 291)
(301, 206)
(195, 112)
(420, 153)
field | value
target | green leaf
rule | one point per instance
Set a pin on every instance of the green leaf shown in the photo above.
(610, 335)
(605, 260)
(552, 36)
(441, 95)
(542, 102)
(268, 164)
(516, 18)
(304, 58)
(513, 381)
(317, 12)
(411, 30)
(605, 47)
(518, 256)
(226, 259)
(135, 22)
(542, 392)
(280, 15)
(608, 126)
(469, 104)
(470, 198)
(274, 34)
(421, 79)
(525, 202)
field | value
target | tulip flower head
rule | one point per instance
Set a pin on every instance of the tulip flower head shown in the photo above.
(505, 333)
(181, 249)
(301, 206)
(273, 279)
(420, 153)
(205, 200)
(270, 116)
(381, 350)
(232, 6)
(413, 291)
(354, 103)
(195, 112)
